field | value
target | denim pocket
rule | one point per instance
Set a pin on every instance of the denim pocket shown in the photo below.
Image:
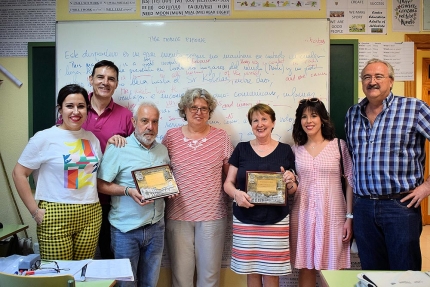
(402, 204)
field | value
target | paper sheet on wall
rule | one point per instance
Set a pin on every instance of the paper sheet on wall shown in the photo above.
(399, 54)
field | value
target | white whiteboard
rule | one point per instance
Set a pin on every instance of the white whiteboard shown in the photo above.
(240, 62)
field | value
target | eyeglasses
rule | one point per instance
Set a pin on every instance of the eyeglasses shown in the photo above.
(368, 78)
(312, 100)
(203, 110)
(43, 264)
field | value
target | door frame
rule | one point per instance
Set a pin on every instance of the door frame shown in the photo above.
(425, 88)
(421, 42)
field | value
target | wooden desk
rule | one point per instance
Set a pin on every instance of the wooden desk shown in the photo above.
(11, 230)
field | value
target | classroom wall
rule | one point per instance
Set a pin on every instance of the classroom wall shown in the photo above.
(14, 102)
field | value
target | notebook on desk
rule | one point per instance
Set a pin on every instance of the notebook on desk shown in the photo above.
(394, 279)
(117, 269)
(90, 270)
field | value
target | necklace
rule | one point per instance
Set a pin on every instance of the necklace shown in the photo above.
(317, 144)
(259, 149)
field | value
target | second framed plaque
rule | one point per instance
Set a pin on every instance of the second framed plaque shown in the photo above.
(155, 182)
(266, 187)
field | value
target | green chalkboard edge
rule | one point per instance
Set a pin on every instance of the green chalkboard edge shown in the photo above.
(32, 45)
(353, 42)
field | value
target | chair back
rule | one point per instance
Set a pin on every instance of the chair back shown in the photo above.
(11, 280)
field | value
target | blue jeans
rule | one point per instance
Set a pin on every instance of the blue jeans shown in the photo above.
(387, 234)
(144, 247)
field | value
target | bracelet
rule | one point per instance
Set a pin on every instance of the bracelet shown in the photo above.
(349, 215)
(234, 196)
(35, 213)
(126, 191)
(295, 175)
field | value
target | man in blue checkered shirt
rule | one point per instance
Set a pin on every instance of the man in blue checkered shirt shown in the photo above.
(386, 135)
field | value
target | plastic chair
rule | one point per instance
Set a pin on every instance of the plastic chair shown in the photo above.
(11, 280)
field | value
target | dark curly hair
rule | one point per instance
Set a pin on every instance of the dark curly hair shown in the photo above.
(314, 105)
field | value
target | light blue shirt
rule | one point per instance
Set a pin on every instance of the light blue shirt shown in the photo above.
(116, 166)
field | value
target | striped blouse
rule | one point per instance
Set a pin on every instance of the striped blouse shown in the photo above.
(197, 168)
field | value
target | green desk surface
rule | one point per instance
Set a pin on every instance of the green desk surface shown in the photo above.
(96, 283)
(340, 278)
(11, 229)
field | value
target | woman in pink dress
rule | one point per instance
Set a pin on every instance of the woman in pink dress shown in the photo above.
(321, 217)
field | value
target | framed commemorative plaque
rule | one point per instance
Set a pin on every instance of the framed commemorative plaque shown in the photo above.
(266, 187)
(155, 182)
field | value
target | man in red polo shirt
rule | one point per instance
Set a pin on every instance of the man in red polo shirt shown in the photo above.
(109, 122)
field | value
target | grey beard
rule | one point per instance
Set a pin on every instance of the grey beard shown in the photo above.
(141, 138)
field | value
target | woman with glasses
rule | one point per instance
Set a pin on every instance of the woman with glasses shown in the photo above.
(197, 218)
(260, 232)
(63, 160)
(321, 218)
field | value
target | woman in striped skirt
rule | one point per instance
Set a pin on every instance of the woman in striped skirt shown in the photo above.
(260, 232)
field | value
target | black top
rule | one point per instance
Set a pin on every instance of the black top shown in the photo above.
(246, 159)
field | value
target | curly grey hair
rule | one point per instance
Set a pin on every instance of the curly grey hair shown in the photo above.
(190, 95)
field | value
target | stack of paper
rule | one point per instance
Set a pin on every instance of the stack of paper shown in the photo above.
(118, 269)
(395, 279)
(115, 269)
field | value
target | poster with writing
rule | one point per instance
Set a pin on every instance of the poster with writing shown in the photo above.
(426, 15)
(156, 8)
(400, 55)
(357, 16)
(310, 5)
(102, 7)
(406, 15)
(25, 21)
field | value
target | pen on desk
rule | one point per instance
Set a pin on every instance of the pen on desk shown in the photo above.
(370, 281)
(84, 270)
(42, 271)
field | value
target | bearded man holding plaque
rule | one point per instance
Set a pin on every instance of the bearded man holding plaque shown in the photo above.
(137, 224)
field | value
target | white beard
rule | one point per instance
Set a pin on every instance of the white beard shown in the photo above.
(143, 140)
